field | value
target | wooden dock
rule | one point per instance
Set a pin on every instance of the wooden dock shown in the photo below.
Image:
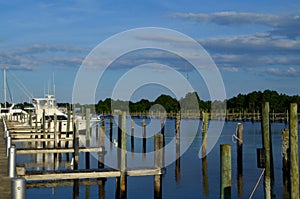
(5, 187)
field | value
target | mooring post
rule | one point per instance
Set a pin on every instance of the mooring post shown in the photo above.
(110, 128)
(132, 137)
(294, 166)
(204, 132)
(123, 176)
(18, 188)
(68, 127)
(285, 162)
(55, 132)
(12, 161)
(177, 163)
(205, 177)
(225, 171)
(267, 146)
(44, 127)
(239, 133)
(101, 153)
(144, 136)
(76, 145)
(158, 163)
(87, 137)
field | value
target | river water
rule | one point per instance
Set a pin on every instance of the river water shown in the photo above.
(189, 182)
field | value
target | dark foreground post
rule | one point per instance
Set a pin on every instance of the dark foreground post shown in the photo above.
(285, 162)
(294, 167)
(225, 171)
(239, 134)
(158, 163)
(267, 146)
(144, 136)
(76, 145)
(177, 163)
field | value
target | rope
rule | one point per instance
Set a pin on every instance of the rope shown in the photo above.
(255, 187)
(234, 138)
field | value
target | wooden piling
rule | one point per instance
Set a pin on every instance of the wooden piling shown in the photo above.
(225, 171)
(132, 137)
(177, 163)
(44, 127)
(267, 146)
(293, 145)
(123, 176)
(204, 132)
(76, 145)
(158, 163)
(144, 135)
(239, 133)
(285, 162)
(110, 128)
(87, 136)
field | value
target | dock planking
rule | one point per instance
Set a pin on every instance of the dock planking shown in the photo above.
(5, 181)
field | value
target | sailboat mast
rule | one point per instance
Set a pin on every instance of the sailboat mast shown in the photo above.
(4, 85)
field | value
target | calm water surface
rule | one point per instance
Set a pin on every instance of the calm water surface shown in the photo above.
(189, 183)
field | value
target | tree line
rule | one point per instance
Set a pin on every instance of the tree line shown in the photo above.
(250, 102)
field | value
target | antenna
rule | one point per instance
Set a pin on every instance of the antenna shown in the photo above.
(53, 84)
(4, 85)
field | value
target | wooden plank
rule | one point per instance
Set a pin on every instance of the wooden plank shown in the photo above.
(74, 174)
(145, 172)
(39, 139)
(62, 150)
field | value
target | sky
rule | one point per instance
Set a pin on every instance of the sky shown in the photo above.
(254, 44)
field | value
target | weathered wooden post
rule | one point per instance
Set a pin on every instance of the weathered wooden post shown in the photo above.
(285, 162)
(55, 132)
(76, 144)
(158, 163)
(123, 176)
(68, 127)
(239, 133)
(205, 177)
(87, 137)
(110, 128)
(267, 146)
(44, 127)
(177, 163)
(144, 136)
(225, 171)
(162, 124)
(293, 145)
(132, 137)
(204, 132)
(18, 188)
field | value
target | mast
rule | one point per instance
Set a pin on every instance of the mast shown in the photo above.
(4, 85)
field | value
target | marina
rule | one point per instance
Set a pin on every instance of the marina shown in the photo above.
(90, 167)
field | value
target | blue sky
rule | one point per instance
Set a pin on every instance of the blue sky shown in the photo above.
(255, 44)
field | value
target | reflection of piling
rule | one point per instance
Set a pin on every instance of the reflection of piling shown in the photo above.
(293, 145)
(76, 189)
(239, 134)
(225, 171)
(177, 163)
(158, 163)
(267, 146)
(205, 177)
